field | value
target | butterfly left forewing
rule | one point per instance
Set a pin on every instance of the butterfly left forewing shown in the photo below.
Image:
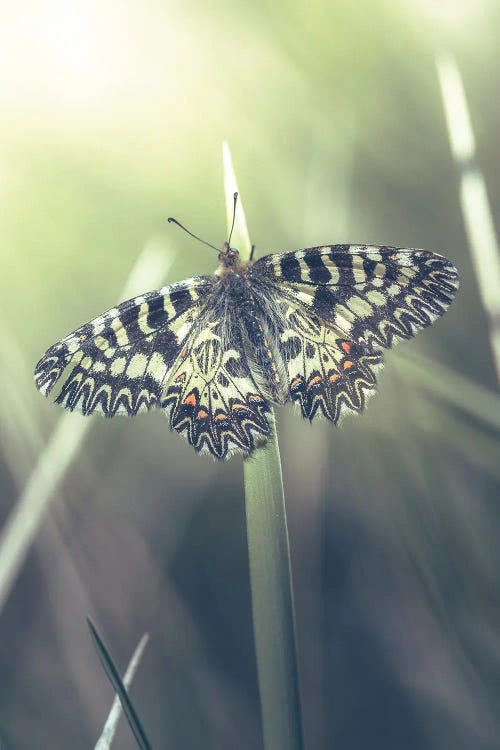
(117, 362)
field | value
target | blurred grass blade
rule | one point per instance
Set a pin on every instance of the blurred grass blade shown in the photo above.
(476, 208)
(241, 237)
(115, 680)
(269, 559)
(20, 430)
(21, 526)
(108, 733)
(272, 598)
(476, 400)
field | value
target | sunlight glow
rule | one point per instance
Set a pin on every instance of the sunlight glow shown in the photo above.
(448, 13)
(88, 58)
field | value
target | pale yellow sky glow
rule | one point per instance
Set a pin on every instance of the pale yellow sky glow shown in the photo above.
(452, 14)
(89, 58)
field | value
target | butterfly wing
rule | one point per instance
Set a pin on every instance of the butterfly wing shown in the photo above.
(179, 349)
(328, 373)
(342, 306)
(118, 362)
(212, 399)
(332, 311)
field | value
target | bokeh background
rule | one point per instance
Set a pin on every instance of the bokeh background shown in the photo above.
(112, 118)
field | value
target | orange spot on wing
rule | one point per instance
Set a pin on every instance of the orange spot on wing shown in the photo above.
(237, 407)
(295, 382)
(333, 378)
(202, 414)
(314, 381)
(348, 364)
(221, 417)
(190, 400)
(254, 398)
(347, 346)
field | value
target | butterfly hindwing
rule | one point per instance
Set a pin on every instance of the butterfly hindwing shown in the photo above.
(328, 373)
(212, 399)
(118, 362)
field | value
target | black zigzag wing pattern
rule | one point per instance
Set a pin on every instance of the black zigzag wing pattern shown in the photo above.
(212, 399)
(119, 361)
(215, 352)
(345, 304)
(328, 374)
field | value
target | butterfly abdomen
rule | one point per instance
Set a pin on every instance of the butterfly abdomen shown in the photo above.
(256, 321)
(265, 360)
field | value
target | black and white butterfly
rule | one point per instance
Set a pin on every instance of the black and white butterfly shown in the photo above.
(215, 352)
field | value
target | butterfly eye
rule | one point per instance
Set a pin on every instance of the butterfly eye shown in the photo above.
(229, 256)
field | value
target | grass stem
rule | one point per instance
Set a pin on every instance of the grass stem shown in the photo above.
(269, 559)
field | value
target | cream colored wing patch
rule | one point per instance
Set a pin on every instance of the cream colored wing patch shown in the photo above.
(329, 374)
(372, 295)
(119, 361)
(211, 398)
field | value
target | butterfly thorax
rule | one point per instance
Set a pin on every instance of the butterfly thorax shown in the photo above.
(252, 317)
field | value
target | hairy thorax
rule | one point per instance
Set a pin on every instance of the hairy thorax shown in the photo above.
(254, 316)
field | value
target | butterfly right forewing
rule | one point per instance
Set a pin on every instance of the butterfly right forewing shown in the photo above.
(345, 304)
(375, 294)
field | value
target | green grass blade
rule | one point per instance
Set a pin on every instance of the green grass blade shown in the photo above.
(455, 389)
(21, 527)
(269, 558)
(109, 730)
(241, 237)
(272, 598)
(115, 680)
(474, 201)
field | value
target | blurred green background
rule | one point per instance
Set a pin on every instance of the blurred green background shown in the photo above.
(112, 118)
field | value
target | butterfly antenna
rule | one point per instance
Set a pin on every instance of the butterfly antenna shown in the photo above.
(171, 220)
(235, 197)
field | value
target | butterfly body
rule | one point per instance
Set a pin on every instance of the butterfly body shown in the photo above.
(215, 352)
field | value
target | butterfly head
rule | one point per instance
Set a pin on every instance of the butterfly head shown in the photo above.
(229, 261)
(229, 257)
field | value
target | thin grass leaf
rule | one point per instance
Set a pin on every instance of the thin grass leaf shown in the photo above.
(241, 237)
(272, 598)
(20, 430)
(473, 445)
(116, 681)
(21, 527)
(457, 390)
(109, 731)
(269, 558)
(474, 201)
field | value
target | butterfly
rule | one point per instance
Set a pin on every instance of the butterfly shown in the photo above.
(216, 352)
